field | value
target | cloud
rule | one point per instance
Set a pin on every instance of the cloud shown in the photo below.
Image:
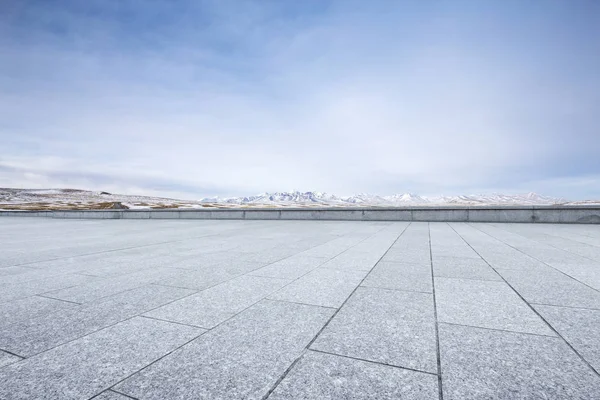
(229, 98)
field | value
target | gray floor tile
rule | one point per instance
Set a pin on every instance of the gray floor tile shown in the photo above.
(120, 269)
(198, 279)
(228, 263)
(111, 395)
(290, 268)
(389, 326)
(548, 286)
(466, 268)
(409, 255)
(512, 260)
(111, 286)
(324, 376)
(87, 366)
(579, 327)
(401, 276)
(215, 305)
(353, 261)
(33, 336)
(13, 291)
(30, 307)
(12, 271)
(243, 358)
(485, 304)
(487, 364)
(584, 271)
(7, 358)
(321, 287)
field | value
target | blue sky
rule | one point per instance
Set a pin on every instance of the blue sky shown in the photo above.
(202, 98)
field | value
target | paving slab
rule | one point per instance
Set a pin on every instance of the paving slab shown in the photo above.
(400, 276)
(30, 307)
(584, 271)
(7, 358)
(466, 268)
(219, 303)
(485, 304)
(198, 279)
(580, 327)
(487, 364)
(29, 337)
(91, 364)
(111, 395)
(321, 287)
(223, 261)
(388, 326)
(110, 286)
(354, 261)
(290, 268)
(63, 282)
(408, 255)
(11, 291)
(242, 358)
(325, 376)
(548, 286)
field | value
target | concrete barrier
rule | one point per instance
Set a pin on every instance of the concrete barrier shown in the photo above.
(524, 214)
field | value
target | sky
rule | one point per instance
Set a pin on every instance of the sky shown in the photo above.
(196, 98)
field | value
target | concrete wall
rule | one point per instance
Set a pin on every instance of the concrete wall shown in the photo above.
(537, 214)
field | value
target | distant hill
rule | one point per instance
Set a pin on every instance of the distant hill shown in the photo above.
(52, 199)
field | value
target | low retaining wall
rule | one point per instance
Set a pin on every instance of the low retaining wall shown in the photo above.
(537, 214)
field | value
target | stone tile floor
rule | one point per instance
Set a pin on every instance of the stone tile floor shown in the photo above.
(123, 309)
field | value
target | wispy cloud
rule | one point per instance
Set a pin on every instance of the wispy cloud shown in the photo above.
(203, 98)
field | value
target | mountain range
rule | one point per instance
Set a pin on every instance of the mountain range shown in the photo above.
(49, 199)
(365, 199)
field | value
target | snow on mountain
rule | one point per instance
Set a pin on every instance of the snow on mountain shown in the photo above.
(294, 197)
(82, 199)
(365, 199)
(407, 198)
(398, 200)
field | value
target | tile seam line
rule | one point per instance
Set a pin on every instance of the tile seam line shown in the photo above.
(591, 246)
(107, 326)
(196, 291)
(96, 396)
(395, 290)
(147, 311)
(206, 331)
(535, 258)
(129, 248)
(122, 394)
(373, 362)
(302, 304)
(173, 322)
(112, 250)
(499, 330)
(324, 262)
(435, 314)
(467, 279)
(553, 236)
(293, 364)
(533, 309)
(13, 354)
(53, 298)
(571, 307)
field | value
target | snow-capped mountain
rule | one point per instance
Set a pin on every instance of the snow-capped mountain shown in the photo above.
(283, 197)
(49, 199)
(407, 198)
(404, 199)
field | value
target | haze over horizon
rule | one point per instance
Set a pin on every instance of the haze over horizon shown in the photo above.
(192, 99)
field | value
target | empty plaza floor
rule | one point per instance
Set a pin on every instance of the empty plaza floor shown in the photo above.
(176, 309)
